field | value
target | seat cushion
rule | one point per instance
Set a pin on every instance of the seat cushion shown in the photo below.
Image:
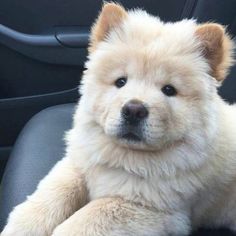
(39, 146)
(37, 149)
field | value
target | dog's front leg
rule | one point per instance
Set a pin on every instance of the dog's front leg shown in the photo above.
(58, 196)
(116, 217)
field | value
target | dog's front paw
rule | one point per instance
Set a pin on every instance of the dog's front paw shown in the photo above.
(13, 230)
(74, 227)
(17, 226)
(22, 228)
(25, 220)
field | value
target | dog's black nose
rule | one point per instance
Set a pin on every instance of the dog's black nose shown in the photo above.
(134, 111)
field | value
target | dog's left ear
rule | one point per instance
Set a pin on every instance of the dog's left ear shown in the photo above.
(111, 16)
(217, 48)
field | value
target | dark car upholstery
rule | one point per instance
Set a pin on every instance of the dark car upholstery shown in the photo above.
(40, 144)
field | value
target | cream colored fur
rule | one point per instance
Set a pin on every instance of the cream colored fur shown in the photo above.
(182, 177)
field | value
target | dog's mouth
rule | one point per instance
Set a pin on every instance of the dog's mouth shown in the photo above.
(130, 134)
(131, 137)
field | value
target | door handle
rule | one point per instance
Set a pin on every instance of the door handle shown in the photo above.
(66, 45)
(75, 37)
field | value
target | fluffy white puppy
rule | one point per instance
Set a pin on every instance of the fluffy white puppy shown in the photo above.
(152, 150)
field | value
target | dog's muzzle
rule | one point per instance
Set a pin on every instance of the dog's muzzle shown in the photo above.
(133, 114)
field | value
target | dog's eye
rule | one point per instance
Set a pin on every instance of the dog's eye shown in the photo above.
(120, 82)
(169, 90)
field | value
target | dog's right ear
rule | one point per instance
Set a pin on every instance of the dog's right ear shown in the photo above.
(111, 16)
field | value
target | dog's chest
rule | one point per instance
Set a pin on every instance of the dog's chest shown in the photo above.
(104, 182)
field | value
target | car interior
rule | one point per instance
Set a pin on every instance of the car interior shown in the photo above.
(43, 47)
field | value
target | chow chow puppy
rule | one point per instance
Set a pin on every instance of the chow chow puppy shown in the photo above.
(152, 150)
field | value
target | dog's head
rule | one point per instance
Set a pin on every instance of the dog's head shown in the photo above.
(150, 83)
